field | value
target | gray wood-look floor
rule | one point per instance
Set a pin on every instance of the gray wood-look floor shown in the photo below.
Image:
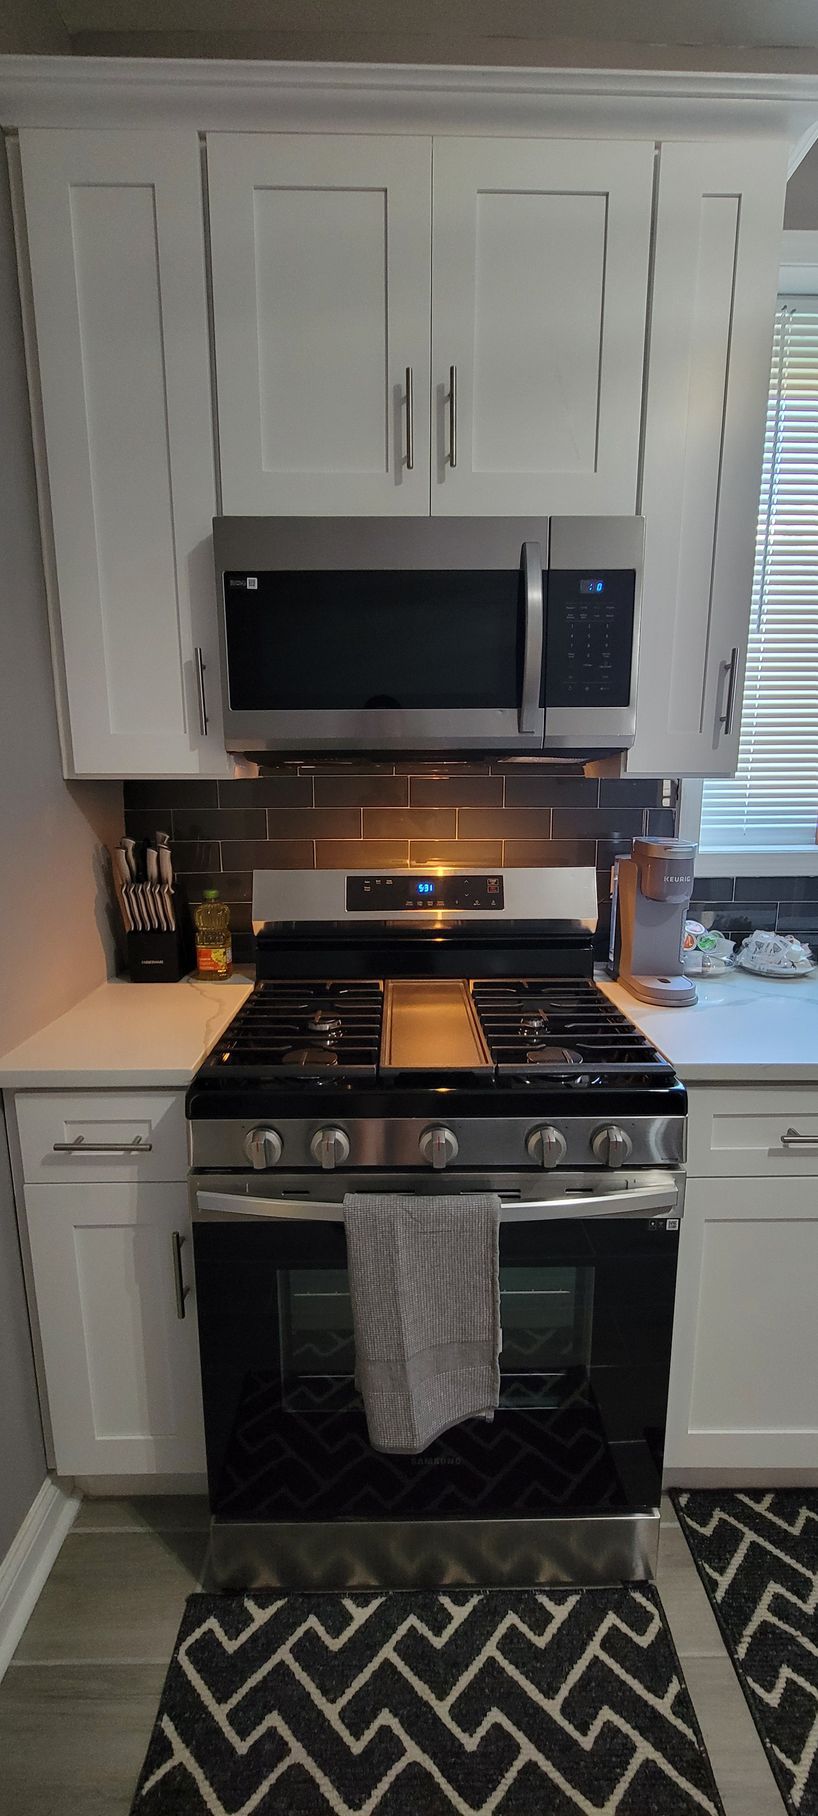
(78, 1701)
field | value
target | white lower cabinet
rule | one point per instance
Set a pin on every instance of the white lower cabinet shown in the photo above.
(113, 1281)
(744, 1373)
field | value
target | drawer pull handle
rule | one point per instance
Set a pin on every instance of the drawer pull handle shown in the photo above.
(80, 1146)
(792, 1139)
(180, 1290)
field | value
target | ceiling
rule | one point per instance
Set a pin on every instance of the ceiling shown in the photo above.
(695, 34)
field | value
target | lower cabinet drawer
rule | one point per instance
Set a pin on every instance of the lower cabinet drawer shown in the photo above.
(739, 1131)
(102, 1136)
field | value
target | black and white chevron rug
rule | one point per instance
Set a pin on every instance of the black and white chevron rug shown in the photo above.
(757, 1555)
(523, 1703)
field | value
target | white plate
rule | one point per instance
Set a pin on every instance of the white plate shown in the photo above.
(765, 971)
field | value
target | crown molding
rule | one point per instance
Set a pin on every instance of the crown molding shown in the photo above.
(263, 97)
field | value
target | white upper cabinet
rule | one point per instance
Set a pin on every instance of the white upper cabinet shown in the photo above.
(321, 254)
(116, 244)
(718, 234)
(540, 278)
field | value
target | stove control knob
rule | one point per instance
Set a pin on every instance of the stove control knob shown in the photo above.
(546, 1145)
(330, 1147)
(611, 1145)
(263, 1147)
(439, 1146)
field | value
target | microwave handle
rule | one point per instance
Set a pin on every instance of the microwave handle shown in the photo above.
(533, 619)
(629, 1201)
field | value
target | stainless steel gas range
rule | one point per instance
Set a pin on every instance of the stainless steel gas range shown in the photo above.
(434, 1033)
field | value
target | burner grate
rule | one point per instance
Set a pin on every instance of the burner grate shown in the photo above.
(520, 1016)
(330, 1028)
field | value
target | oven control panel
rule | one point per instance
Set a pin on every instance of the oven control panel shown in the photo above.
(400, 890)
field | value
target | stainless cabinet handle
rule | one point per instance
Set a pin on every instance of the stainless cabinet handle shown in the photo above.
(410, 419)
(200, 686)
(452, 416)
(80, 1146)
(730, 669)
(792, 1139)
(180, 1290)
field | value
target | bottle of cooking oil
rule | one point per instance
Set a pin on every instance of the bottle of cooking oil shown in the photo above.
(214, 952)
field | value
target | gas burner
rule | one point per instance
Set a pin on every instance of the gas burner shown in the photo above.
(532, 1024)
(324, 1023)
(553, 1056)
(310, 1056)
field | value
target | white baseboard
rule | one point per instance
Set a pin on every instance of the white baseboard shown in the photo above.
(26, 1565)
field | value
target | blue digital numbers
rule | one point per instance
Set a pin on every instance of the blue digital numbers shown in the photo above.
(425, 888)
(592, 586)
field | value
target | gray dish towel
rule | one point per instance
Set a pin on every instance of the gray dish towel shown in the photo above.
(424, 1277)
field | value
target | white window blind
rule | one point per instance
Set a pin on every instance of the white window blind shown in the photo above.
(773, 802)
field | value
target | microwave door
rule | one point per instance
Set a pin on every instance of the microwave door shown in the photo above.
(413, 658)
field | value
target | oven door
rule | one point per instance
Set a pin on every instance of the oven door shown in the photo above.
(563, 1484)
(401, 648)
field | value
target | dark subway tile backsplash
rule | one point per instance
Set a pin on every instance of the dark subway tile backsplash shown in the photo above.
(541, 853)
(412, 822)
(551, 791)
(346, 814)
(360, 791)
(215, 823)
(598, 822)
(456, 791)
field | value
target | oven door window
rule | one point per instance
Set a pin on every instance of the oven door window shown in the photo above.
(352, 641)
(546, 1316)
(586, 1313)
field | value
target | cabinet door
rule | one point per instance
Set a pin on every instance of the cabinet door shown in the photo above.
(121, 1366)
(718, 239)
(745, 1339)
(321, 250)
(539, 287)
(116, 242)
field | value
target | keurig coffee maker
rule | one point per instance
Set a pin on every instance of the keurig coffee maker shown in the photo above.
(650, 895)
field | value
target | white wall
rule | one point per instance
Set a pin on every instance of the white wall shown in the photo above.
(55, 928)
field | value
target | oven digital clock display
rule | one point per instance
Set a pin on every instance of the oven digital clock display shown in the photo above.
(393, 893)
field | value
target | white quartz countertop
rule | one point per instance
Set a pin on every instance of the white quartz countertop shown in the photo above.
(742, 1028)
(127, 1035)
(144, 1035)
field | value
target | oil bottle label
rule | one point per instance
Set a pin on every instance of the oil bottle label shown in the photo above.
(214, 961)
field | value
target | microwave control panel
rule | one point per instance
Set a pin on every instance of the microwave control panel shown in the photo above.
(589, 637)
(386, 894)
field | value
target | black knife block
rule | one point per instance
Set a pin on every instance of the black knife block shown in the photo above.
(158, 958)
(163, 958)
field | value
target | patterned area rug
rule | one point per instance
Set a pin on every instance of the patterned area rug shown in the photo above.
(529, 1703)
(757, 1555)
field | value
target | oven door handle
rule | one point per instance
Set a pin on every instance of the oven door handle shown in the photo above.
(625, 1201)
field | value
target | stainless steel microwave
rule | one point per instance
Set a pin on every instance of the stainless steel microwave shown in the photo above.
(429, 634)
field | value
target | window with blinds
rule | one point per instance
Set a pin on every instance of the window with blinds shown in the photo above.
(772, 804)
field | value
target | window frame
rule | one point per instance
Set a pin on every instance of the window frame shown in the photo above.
(798, 276)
